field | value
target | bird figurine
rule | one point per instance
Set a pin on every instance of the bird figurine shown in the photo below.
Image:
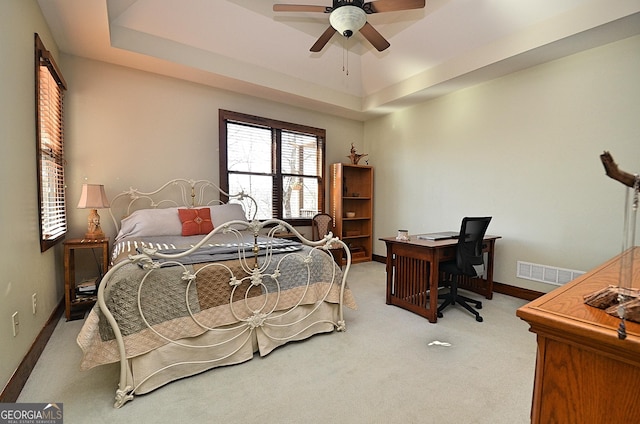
(355, 157)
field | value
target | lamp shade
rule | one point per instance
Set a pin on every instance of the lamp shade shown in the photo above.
(93, 197)
(347, 19)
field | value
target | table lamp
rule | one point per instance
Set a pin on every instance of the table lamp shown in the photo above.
(93, 197)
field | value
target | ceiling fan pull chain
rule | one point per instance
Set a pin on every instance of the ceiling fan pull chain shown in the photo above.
(346, 53)
(345, 59)
(345, 56)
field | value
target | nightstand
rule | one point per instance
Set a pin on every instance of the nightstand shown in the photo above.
(79, 295)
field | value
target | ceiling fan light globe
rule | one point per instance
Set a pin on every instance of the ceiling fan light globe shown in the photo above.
(347, 20)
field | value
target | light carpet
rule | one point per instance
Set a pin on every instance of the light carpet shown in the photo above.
(390, 366)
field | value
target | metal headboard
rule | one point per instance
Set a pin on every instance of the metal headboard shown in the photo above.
(179, 192)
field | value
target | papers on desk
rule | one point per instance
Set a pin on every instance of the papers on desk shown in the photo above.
(444, 235)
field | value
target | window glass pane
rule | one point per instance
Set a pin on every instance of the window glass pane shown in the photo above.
(248, 149)
(260, 187)
(299, 154)
(300, 197)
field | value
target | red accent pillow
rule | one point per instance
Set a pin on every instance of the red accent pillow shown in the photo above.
(195, 221)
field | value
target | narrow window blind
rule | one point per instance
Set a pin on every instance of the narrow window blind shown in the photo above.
(249, 164)
(49, 129)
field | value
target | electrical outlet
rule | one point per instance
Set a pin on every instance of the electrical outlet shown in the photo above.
(15, 323)
(34, 303)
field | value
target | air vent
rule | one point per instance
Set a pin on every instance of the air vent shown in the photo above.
(546, 274)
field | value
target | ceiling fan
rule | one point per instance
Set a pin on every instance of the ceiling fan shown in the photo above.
(348, 16)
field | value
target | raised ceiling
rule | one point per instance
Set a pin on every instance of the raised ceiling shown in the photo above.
(243, 46)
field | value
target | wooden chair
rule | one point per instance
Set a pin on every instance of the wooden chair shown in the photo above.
(321, 224)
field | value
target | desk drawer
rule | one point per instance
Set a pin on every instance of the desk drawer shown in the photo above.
(448, 254)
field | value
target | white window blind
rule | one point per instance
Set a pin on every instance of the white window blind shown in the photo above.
(50, 93)
(249, 164)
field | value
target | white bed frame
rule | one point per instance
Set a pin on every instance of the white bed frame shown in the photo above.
(195, 193)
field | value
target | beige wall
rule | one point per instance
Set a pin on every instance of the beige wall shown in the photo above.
(131, 128)
(524, 149)
(24, 270)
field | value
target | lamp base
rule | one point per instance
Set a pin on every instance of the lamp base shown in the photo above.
(94, 232)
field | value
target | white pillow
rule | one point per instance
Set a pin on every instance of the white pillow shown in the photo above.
(151, 222)
(166, 221)
(225, 213)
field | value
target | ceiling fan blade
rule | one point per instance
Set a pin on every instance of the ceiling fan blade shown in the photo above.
(374, 37)
(300, 8)
(323, 40)
(392, 5)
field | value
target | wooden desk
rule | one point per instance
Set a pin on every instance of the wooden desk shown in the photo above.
(412, 273)
(584, 373)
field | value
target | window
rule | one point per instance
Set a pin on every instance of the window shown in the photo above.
(50, 88)
(278, 163)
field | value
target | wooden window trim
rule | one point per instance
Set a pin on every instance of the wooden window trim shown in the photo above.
(44, 58)
(226, 115)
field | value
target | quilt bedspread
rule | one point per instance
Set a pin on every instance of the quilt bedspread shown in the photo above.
(223, 294)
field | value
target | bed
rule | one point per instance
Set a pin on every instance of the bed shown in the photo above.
(196, 284)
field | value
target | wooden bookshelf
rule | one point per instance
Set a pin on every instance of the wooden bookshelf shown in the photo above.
(352, 191)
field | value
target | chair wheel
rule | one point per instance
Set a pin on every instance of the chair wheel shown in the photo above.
(440, 315)
(479, 305)
(479, 318)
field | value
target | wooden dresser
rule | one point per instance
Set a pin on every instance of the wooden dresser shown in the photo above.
(584, 373)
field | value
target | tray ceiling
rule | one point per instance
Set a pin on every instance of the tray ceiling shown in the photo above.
(243, 46)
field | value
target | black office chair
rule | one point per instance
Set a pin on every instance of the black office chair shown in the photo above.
(469, 262)
(320, 226)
